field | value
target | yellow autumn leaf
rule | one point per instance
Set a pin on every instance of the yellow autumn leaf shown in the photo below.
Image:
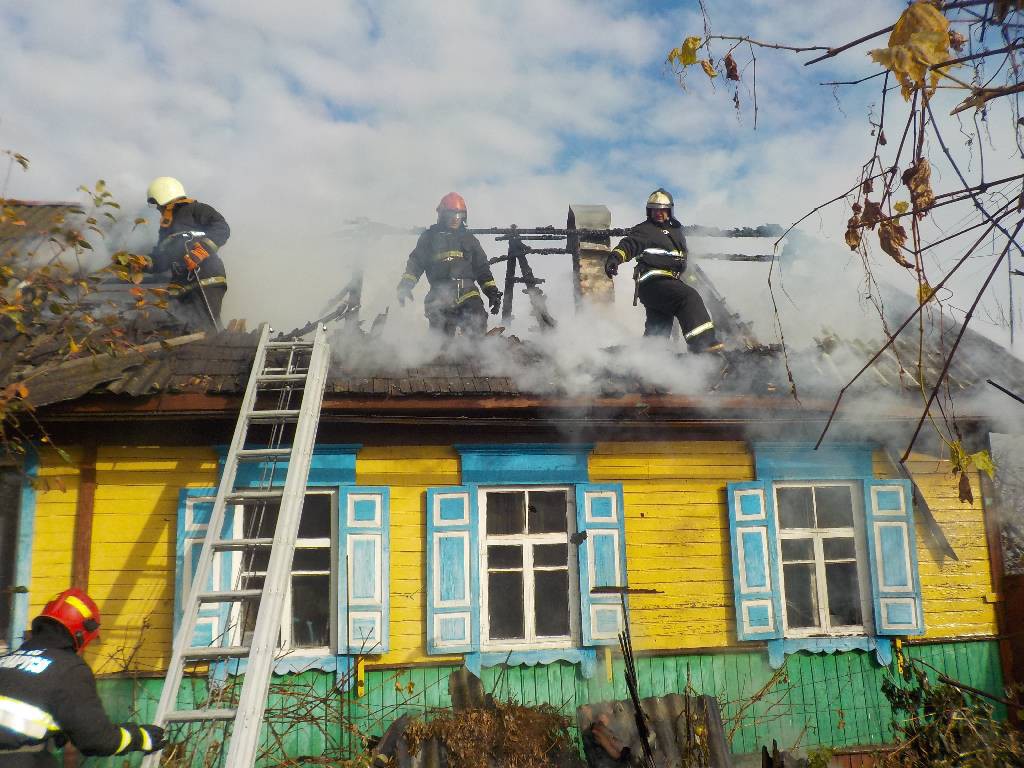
(21, 390)
(708, 67)
(901, 207)
(924, 293)
(686, 53)
(73, 346)
(919, 39)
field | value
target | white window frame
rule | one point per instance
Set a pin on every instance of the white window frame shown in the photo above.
(818, 535)
(286, 644)
(531, 641)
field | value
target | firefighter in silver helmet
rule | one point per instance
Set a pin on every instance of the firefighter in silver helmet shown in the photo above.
(659, 247)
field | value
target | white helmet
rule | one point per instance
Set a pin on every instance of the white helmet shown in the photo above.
(163, 189)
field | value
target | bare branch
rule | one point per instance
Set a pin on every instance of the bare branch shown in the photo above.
(856, 82)
(777, 46)
(980, 55)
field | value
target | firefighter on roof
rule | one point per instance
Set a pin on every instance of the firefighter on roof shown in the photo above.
(48, 693)
(191, 234)
(454, 263)
(659, 247)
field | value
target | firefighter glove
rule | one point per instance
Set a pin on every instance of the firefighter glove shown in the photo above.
(611, 266)
(494, 299)
(151, 738)
(404, 294)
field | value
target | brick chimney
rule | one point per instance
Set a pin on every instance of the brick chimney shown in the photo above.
(589, 254)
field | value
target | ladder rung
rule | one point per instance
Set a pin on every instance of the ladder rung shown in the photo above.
(241, 495)
(265, 416)
(289, 345)
(216, 652)
(280, 378)
(255, 454)
(232, 545)
(199, 715)
(228, 596)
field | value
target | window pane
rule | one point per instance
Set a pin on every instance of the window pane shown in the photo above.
(316, 517)
(839, 548)
(547, 511)
(248, 609)
(801, 595)
(311, 611)
(256, 560)
(260, 519)
(546, 555)
(795, 508)
(505, 557)
(551, 603)
(10, 504)
(835, 506)
(505, 605)
(797, 549)
(506, 513)
(312, 559)
(843, 594)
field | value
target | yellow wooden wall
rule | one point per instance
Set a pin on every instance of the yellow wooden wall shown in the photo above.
(676, 528)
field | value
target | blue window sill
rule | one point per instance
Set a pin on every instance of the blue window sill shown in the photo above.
(341, 666)
(586, 658)
(779, 649)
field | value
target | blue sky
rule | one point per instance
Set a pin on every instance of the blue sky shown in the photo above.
(293, 118)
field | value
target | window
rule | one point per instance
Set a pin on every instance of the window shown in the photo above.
(329, 609)
(822, 549)
(10, 508)
(306, 620)
(528, 576)
(822, 555)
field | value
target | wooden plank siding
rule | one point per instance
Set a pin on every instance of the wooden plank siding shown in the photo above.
(676, 528)
(818, 699)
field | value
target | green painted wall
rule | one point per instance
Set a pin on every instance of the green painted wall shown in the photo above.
(815, 699)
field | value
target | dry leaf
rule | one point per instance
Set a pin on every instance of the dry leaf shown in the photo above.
(918, 179)
(956, 40)
(901, 206)
(924, 293)
(732, 72)
(853, 236)
(919, 39)
(892, 237)
(966, 494)
(708, 68)
(867, 187)
(872, 214)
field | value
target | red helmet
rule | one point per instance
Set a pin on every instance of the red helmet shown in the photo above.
(452, 202)
(77, 613)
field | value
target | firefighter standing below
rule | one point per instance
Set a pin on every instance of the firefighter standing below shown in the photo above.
(659, 247)
(191, 233)
(48, 692)
(453, 260)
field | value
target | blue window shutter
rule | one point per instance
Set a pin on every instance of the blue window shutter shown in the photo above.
(364, 590)
(453, 600)
(194, 508)
(755, 562)
(895, 584)
(602, 560)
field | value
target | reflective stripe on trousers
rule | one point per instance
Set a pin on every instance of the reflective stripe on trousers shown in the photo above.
(25, 719)
(658, 273)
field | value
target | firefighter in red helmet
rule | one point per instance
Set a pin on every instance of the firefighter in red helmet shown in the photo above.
(454, 263)
(48, 693)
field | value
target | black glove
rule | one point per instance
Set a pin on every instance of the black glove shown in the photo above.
(611, 266)
(404, 294)
(151, 738)
(494, 300)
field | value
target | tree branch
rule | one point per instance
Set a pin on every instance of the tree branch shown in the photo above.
(980, 55)
(777, 46)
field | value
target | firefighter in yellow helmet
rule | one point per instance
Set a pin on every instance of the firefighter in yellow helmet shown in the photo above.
(191, 235)
(48, 693)
(454, 262)
(659, 247)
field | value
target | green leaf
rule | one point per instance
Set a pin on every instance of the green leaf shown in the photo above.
(983, 461)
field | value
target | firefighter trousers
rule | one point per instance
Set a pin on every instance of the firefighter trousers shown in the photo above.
(666, 299)
(469, 316)
(191, 308)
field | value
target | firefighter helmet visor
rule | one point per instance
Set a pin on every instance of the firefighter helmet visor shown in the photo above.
(164, 189)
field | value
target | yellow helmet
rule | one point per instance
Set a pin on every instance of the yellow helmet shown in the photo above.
(163, 189)
(660, 198)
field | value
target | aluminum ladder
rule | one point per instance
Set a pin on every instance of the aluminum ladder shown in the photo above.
(292, 369)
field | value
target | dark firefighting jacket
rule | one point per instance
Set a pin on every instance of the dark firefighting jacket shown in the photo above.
(453, 261)
(48, 691)
(660, 250)
(187, 215)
